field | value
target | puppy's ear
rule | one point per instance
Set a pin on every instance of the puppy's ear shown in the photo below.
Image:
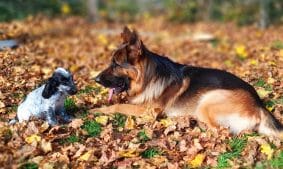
(50, 88)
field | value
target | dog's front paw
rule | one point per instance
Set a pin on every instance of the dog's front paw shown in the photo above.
(66, 118)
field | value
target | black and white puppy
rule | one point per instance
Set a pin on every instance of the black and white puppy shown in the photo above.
(47, 101)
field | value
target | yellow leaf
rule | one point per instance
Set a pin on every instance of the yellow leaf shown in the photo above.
(272, 63)
(197, 161)
(270, 80)
(65, 8)
(270, 108)
(241, 51)
(254, 62)
(262, 92)
(86, 156)
(102, 39)
(281, 53)
(128, 153)
(267, 150)
(166, 122)
(102, 120)
(130, 123)
(32, 138)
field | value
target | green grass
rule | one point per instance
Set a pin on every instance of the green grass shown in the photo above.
(29, 166)
(142, 136)
(237, 145)
(70, 105)
(92, 127)
(277, 44)
(150, 153)
(276, 162)
(263, 84)
(119, 120)
(72, 139)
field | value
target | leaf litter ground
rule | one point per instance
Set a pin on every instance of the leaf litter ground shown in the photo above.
(117, 141)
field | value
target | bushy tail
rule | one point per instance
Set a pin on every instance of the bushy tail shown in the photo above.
(269, 125)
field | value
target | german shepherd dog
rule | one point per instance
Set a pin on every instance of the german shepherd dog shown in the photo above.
(213, 96)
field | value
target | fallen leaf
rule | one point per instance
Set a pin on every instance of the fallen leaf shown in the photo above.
(128, 153)
(32, 138)
(130, 123)
(263, 92)
(166, 122)
(76, 123)
(46, 146)
(102, 120)
(267, 150)
(86, 156)
(197, 161)
(241, 51)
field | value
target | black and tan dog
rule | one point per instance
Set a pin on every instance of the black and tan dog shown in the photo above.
(213, 96)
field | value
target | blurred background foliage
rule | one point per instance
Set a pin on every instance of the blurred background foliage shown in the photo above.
(243, 12)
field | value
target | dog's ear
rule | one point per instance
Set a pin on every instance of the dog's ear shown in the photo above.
(50, 88)
(134, 43)
(129, 36)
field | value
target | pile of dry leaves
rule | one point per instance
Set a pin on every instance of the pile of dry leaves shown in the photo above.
(118, 141)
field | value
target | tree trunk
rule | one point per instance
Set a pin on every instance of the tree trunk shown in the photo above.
(264, 13)
(92, 10)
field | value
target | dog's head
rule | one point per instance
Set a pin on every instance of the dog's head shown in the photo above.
(61, 81)
(125, 70)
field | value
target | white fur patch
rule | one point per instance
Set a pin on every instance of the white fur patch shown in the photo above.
(62, 71)
(236, 123)
(152, 91)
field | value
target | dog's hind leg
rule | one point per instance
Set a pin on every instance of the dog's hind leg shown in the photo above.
(233, 109)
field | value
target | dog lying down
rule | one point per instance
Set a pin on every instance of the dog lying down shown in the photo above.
(47, 101)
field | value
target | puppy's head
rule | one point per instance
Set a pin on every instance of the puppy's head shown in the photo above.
(127, 63)
(61, 81)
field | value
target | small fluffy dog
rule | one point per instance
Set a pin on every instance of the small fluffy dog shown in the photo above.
(47, 101)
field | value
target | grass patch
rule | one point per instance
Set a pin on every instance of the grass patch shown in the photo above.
(29, 166)
(92, 127)
(142, 136)
(277, 44)
(70, 105)
(71, 139)
(237, 145)
(150, 153)
(119, 120)
(263, 84)
(276, 162)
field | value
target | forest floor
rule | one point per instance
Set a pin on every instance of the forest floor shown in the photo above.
(118, 141)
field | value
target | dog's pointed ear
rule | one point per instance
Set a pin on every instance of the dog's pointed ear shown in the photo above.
(132, 39)
(50, 88)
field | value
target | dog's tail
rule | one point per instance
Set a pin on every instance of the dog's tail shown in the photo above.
(269, 125)
(14, 120)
